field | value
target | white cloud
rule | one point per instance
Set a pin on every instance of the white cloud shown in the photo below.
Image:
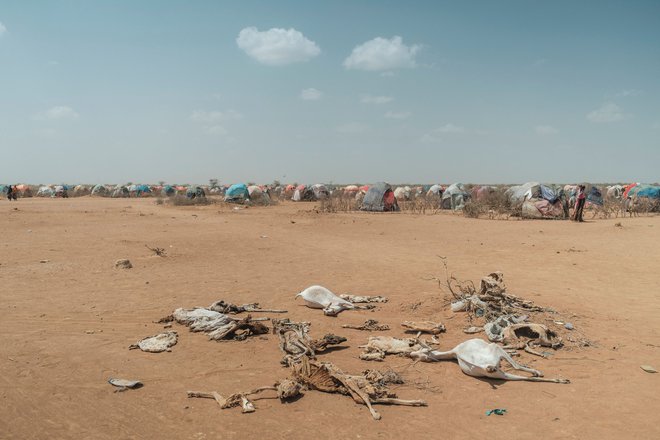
(398, 115)
(276, 47)
(352, 127)
(609, 112)
(545, 130)
(3, 29)
(628, 92)
(217, 130)
(214, 116)
(60, 112)
(311, 94)
(438, 134)
(368, 99)
(382, 54)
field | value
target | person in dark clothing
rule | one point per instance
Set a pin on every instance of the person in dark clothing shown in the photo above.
(11, 193)
(579, 204)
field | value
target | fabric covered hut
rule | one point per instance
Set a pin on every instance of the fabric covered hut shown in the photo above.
(454, 197)
(380, 198)
(100, 191)
(195, 191)
(237, 193)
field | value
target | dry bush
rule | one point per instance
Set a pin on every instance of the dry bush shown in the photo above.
(495, 204)
(338, 203)
(181, 200)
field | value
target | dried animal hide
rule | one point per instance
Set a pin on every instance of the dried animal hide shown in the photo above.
(356, 299)
(522, 335)
(157, 343)
(219, 326)
(369, 325)
(430, 327)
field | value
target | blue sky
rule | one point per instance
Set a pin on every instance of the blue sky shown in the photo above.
(342, 91)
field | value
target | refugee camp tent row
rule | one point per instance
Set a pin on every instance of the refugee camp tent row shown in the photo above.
(304, 193)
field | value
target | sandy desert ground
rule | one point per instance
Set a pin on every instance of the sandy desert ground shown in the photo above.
(67, 323)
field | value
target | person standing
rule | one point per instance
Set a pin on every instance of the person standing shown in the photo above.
(579, 204)
(11, 193)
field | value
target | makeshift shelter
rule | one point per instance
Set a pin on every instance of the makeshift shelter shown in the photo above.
(481, 192)
(435, 191)
(100, 190)
(542, 208)
(645, 191)
(628, 188)
(615, 191)
(594, 196)
(454, 197)
(195, 192)
(237, 193)
(61, 191)
(351, 190)
(24, 190)
(120, 191)
(168, 191)
(45, 191)
(380, 198)
(303, 193)
(258, 194)
(519, 193)
(320, 191)
(403, 193)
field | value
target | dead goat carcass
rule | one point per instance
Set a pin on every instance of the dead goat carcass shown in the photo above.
(218, 326)
(527, 336)
(318, 297)
(295, 341)
(359, 299)
(379, 346)
(367, 389)
(370, 325)
(233, 309)
(430, 327)
(479, 358)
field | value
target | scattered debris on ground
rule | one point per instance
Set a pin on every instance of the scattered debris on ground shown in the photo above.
(216, 325)
(648, 369)
(370, 325)
(159, 252)
(157, 343)
(124, 384)
(123, 264)
(233, 309)
(496, 411)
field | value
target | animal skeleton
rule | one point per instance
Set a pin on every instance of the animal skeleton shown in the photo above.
(296, 343)
(363, 299)
(218, 326)
(424, 326)
(379, 346)
(369, 325)
(479, 358)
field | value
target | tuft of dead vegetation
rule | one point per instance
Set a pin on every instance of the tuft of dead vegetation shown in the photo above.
(181, 200)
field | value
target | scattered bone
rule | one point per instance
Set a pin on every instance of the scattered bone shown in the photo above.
(648, 368)
(473, 330)
(369, 325)
(479, 358)
(520, 336)
(123, 264)
(157, 343)
(318, 297)
(160, 252)
(285, 390)
(366, 389)
(430, 327)
(495, 328)
(233, 309)
(295, 341)
(356, 299)
(379, 346)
